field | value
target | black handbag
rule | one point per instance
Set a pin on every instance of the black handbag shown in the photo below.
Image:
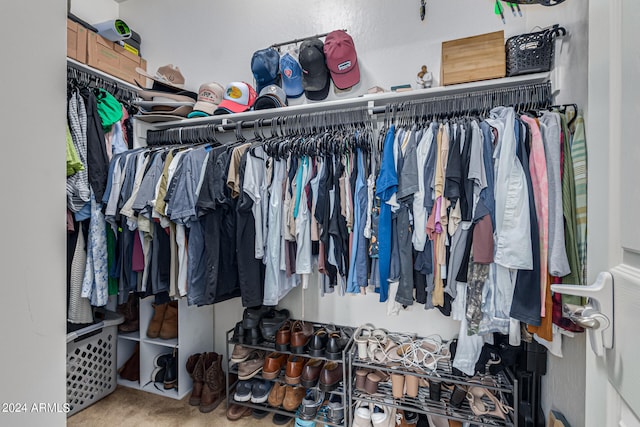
(532, 52)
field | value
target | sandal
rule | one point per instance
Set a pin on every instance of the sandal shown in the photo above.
(478, 397)
(376, 342)
(389, 352)
(361, 337)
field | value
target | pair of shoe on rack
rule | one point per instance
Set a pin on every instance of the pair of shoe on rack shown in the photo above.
(164, 323)
(483, 396)
(420, 354)
(378, 415)
(259, 324)
(301, 370)
(301, 337)
(205, 369)
(289, 397)
(165, 370)
(314, 405)
(367, 380)
(131, 312)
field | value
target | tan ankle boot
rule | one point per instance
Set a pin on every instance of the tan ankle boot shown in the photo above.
(153, 331)
(169, 329)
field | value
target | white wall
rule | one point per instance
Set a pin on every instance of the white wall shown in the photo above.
(95, 11)
(214, 41)
(32, 169)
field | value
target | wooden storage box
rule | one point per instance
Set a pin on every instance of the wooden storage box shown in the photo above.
(474, 58)
(76, 41)
(114, 59)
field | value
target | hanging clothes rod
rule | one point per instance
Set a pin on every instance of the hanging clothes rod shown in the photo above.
(523, 98)
(80, 73)
(295, 41)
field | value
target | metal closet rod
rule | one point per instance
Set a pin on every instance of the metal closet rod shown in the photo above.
(317, 36)
(531, 96)
(87, 76)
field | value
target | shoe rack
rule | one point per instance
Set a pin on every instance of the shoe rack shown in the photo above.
(503, 385)
(195, 335)
(269, 347)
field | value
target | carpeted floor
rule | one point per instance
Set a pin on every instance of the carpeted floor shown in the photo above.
(126, 407)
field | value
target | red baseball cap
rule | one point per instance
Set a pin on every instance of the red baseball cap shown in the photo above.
(342, 60)
(238, 97)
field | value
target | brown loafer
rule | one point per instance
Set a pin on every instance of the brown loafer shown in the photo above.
(293, 372)
(235, 411)
(330, 376)
(293, 397)
(311, 372)
(276, 395)
(272, 365)
(283, 336)
(301, 333)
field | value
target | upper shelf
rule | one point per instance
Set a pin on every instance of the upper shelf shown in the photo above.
(369, 100)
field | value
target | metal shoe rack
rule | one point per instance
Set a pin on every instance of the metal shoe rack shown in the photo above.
(506, 389)
(269, 347)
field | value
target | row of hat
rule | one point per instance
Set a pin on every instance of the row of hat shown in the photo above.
(306, 70)
(310, 68)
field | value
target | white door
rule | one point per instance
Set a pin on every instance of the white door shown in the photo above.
(613, 136)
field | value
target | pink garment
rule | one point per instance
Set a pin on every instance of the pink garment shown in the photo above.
(438, 224)
(431, 223)
(137, 260)
(538, 170)
(70, 226)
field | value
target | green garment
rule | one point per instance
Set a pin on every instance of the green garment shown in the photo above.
(74, 164)
(109, 109)
(579, 156)
(569, 213)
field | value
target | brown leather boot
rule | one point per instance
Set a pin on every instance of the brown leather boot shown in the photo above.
(213, 391)
(130, 370)
(195, 369)
(153, 331)
(131, 310)
(169, 329)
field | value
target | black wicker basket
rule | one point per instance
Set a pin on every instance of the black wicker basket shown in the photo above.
(532, 52)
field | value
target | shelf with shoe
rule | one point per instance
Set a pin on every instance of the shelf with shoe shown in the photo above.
(277, 357)
(161, 329)
(409, 374)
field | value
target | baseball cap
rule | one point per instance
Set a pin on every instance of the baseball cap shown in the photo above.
(265, 67)
(342, 60)
(291, 76)
(167, 81)
(169, 75)
(272, 96)
(209, 96)
(315, 75)
(238, 97)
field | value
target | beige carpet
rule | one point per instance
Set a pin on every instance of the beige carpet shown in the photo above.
(126, 407)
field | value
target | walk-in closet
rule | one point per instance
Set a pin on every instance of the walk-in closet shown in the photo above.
(323, 213)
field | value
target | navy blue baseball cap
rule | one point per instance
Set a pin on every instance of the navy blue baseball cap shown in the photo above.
(265, 65)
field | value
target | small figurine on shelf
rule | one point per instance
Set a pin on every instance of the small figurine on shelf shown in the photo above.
(425, 78)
